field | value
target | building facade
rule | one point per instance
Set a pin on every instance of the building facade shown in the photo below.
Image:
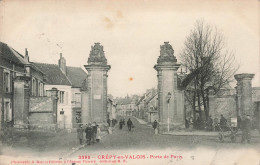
(20, 81)
(68, 81)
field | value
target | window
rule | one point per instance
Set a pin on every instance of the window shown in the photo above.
(76, 100)
(77, 97)
(7, 110)
(34, 87)
(40, 89)
(61, 96)
(66, 98)
(48, 93)
(7, 82)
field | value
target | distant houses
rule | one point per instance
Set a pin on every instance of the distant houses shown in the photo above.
(126, 106)
(144, 107)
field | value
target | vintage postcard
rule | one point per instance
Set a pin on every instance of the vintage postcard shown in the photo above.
(129, 82)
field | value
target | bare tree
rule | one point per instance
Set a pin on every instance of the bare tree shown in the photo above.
(210, 63)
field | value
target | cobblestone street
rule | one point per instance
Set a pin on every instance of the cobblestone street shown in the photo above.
(141, 140)
(143, 137)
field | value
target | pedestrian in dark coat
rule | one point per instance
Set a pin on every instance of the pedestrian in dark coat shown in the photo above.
(239, 122)
(129, 124)
(80, 131)
(198, 123)
(88, 132)
(223, 123)
(186, 123)
(108, 122)
(155, 127)
(124, 121)
(210, 124)
(121, 123)
(246, 128)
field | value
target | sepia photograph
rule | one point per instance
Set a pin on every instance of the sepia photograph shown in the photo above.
(92, 82)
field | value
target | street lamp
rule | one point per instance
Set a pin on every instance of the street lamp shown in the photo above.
(168, 103)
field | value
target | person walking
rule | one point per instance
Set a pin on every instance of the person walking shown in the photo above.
(88, 132)
(239, 122)
(223, 123)
(155, 127)
(186, 123)
(124, 121)
(94, 132)
(108, 122)
(98, 137)
(80, 134)
(210, 124)
(246, 128)
(191, 122)
(121, 123)
(129, 124)
(198, 123)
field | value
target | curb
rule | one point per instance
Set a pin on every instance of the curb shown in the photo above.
(253, 136)
(189, 134)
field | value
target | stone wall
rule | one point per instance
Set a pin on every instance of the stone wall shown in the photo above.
(256, 94)
(43, 113)
(225, 105)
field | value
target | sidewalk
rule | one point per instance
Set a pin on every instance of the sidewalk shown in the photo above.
(254, 133)
(60, 144)
(192, 133)
(141, 121)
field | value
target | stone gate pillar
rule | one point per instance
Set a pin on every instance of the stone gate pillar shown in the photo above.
(97, 84)
(244, 94)
(21, 101)
(54, 95)
(168, 94)
(85, 113)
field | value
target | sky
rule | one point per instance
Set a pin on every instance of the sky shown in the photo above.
(131, 32)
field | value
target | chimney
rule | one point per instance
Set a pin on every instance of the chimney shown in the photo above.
(62, 64)
(26, 57)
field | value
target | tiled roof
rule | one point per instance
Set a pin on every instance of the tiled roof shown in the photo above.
(150, 98)
(139, 101)
(76, 76)
(9, 53)
(53, 74)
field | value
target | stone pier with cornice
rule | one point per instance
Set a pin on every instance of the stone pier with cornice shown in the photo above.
(244, 94)
(170, 99)
(96, 86)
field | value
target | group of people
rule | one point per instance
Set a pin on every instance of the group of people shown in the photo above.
(129, 124)
(113, 122)
(208, 124)
(92, 131)
(244, 125)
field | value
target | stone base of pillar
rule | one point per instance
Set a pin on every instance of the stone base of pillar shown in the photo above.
(103, 126)
(163, 127)
(21, 125)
